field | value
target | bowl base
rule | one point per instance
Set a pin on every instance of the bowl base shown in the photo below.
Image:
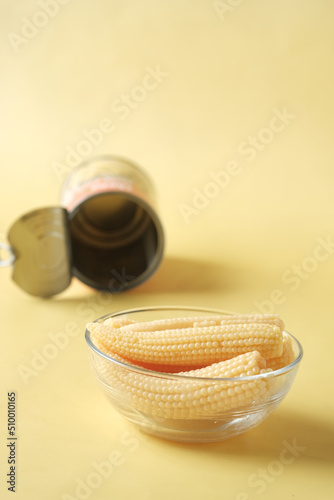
(201, 431)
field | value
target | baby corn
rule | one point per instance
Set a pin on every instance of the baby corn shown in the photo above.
(156, 343)
(287, 356)
(196, 398)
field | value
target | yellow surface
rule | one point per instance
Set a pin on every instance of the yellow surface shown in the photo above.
(228, 71)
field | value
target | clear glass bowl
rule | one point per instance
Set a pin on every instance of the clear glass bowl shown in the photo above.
(216, 425)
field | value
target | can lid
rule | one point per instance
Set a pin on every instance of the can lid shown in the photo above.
(41, 245)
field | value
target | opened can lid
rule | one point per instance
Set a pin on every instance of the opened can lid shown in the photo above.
(41, 244)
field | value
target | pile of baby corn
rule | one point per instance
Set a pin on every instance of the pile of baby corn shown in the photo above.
(197, 348)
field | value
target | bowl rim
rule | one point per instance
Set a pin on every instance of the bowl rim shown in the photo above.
(176, 376)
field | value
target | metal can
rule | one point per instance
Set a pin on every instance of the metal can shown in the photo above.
(106, 233)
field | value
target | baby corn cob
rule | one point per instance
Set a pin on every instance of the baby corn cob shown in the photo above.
(147, 366)
(195, 346)
(118, 322)
(198, 321)
(179, 398)
(287, 355)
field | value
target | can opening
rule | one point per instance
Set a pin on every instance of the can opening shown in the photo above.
(115, 241)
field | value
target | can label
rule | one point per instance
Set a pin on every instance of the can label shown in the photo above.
(101, 185)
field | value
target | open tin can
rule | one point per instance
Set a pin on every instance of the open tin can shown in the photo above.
(106, 233)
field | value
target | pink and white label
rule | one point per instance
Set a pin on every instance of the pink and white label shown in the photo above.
(101, 185)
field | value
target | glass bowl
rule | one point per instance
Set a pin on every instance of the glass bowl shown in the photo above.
(215, 424)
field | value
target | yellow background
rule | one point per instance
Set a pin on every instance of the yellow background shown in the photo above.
(228, 66)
